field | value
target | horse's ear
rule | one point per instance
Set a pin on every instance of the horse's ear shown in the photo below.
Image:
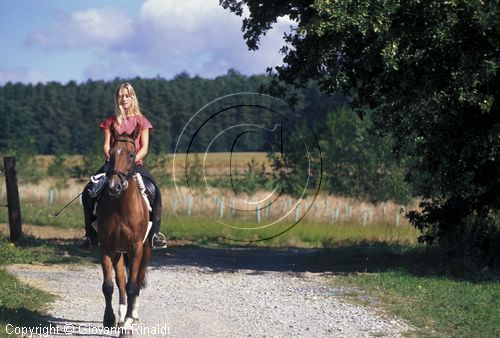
(136, 132)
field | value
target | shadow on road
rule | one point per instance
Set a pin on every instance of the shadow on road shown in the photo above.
(237, 258)
(365, 257)
(345, 258)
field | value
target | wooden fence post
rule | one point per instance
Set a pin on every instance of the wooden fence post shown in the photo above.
(14, 209)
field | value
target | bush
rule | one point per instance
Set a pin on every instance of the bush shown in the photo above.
(464, 234)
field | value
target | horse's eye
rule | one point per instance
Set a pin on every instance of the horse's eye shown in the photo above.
(131, 156)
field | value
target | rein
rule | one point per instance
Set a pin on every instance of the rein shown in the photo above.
(123, 176)
(125, 140)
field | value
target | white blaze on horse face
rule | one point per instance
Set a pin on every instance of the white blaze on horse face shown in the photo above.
(112, 183)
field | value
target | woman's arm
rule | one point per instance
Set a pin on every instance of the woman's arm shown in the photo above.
(144, 145)
(106, 143)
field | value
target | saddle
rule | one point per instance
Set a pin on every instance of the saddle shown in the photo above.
(146, 187)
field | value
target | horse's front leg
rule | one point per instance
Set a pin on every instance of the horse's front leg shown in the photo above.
(107, 290)
(119, 266)
(133, 288)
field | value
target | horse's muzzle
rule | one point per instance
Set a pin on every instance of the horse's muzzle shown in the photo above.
(116, 186)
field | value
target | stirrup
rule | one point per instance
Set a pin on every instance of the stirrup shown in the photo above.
(99, 181)
(161, 237)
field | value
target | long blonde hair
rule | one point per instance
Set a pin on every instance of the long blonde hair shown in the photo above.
(134, 107)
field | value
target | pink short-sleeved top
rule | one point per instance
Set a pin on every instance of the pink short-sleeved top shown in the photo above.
(127, 126)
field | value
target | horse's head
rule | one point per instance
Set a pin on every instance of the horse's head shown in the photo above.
(121, 160)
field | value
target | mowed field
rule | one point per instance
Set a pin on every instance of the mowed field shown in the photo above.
(213, 163)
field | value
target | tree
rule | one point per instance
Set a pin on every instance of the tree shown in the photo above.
(360, 164)
(428, 71)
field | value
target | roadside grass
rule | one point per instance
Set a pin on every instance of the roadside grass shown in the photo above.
(42, 214)
(20, 304)
(439, 296)
(34, 250)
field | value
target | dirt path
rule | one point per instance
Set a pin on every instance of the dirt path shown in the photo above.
(200, 292)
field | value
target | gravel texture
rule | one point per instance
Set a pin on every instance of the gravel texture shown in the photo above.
(214, 293)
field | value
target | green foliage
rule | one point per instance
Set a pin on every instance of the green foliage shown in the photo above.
(92, 160)
(356, 162)
(56, 168)
(27, 168)
(252, 179)
(157, 165)
(427, 71)
(65, 118)
(194, 173)
(360, 164)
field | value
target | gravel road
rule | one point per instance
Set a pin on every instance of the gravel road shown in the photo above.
(200, 292)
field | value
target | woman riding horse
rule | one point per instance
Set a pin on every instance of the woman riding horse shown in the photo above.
(123, 227)
(127, 117)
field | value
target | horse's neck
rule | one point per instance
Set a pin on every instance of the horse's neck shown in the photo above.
(131, 189)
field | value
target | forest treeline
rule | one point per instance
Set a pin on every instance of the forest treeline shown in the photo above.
(63, 119)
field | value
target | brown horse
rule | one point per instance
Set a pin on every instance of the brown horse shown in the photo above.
(122, 218)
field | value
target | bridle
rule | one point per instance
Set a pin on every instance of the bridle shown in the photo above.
(124, 176)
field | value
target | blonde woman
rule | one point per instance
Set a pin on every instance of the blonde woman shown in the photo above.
(127, 116)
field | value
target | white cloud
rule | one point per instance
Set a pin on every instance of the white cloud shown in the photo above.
(202, 38)
(91, 28)
(188, 16)
(21, 74)
(165, 38)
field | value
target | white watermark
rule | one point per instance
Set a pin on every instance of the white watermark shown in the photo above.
(78, 330)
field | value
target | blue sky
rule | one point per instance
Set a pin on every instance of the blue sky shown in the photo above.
(63, 40)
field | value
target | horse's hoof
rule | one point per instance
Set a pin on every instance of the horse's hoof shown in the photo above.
(109, 323)
(135, 321)
(120, 324)
(109, 320)
(126, 334)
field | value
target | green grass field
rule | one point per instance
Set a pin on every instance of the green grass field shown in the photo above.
(439, 296)
(439, 306)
